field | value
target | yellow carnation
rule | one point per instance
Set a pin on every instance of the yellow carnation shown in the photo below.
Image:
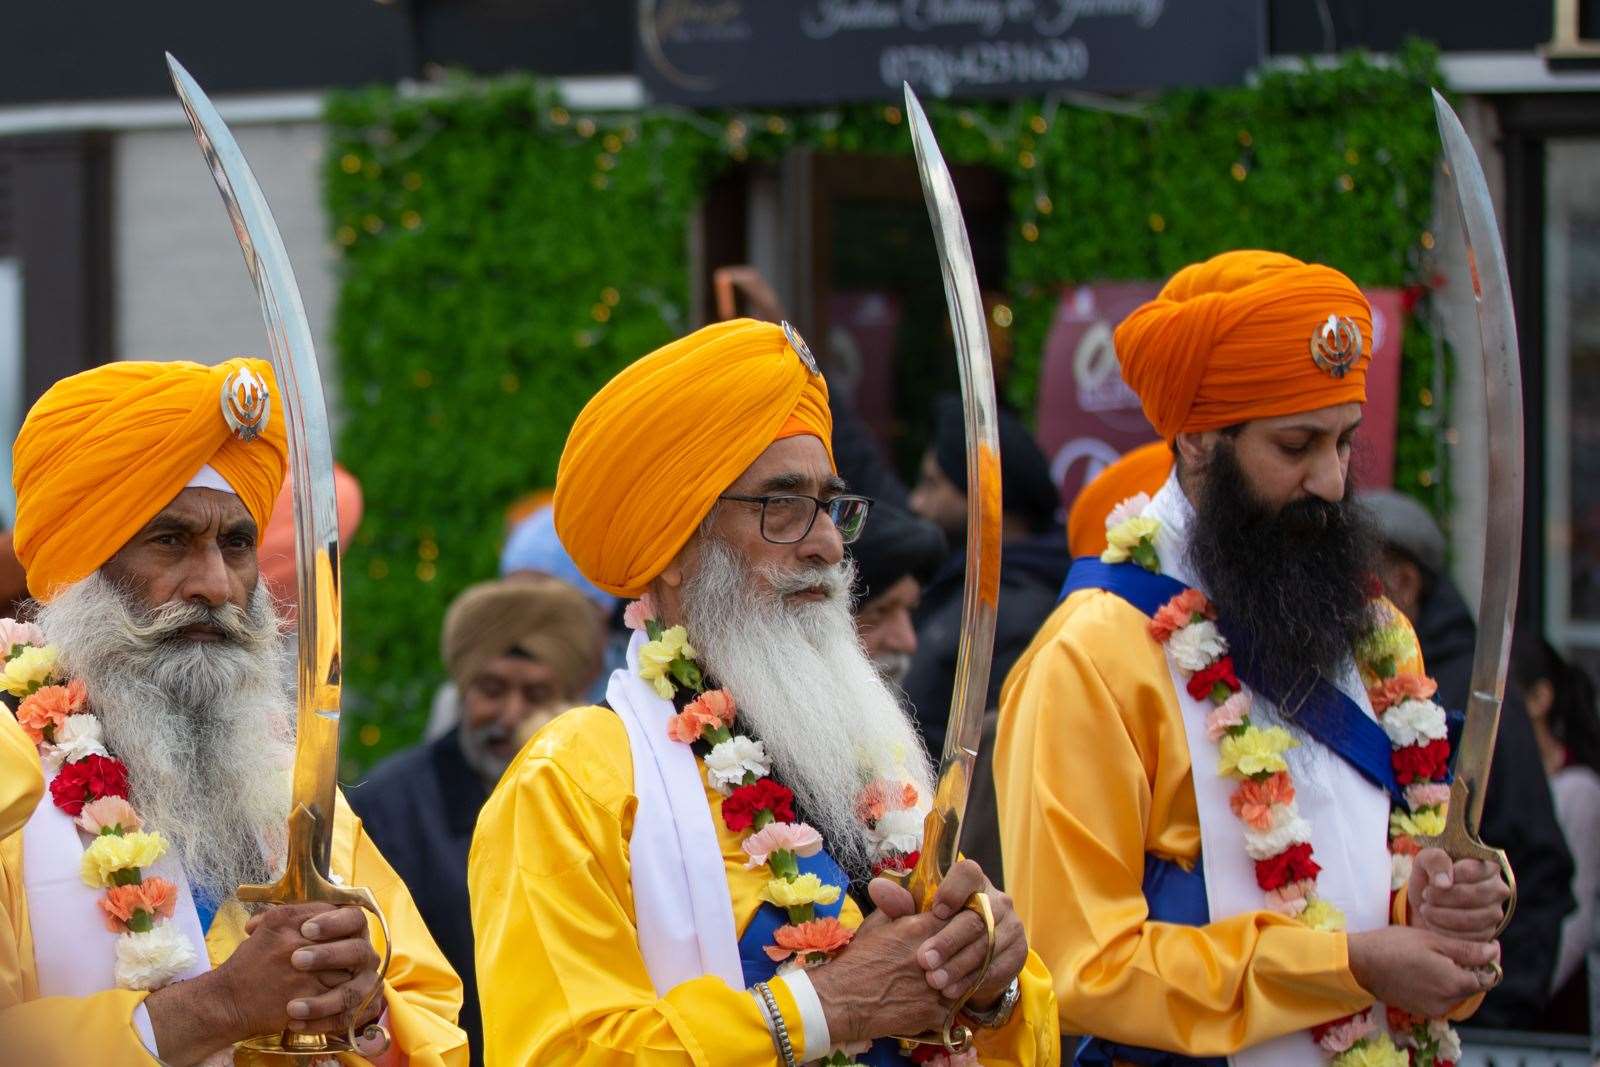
(1125, 536)
(806, 889)
(1259, 750)
(1320, 914)
(655, 659)
(1385, 648)
(1378, 1051)
(110, 853)
(28, 670)
(1425, 822)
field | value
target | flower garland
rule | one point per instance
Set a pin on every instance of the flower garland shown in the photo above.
(1277, 839)
(91, 787)
(738, 767)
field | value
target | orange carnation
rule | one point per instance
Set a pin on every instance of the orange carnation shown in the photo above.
(1253, 801)
(826, 936)
(882, 796)
(709, 710)
(1391, 691)
(156, 897)
(1179, 612)
(46, 710)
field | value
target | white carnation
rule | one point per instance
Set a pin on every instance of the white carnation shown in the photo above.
(71, 751)
(154, 958)
(1264, 844)
(899, 831)
(1449, 1040)
(79, 726)
(1197, 645)
(729, 762)
(1412, 722)
(1399, 870)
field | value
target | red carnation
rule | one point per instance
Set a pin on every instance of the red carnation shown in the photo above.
(88, 779)
(1291, 865)
(1204, 680)
(896, 864)
(739, 811)
(1421, 763)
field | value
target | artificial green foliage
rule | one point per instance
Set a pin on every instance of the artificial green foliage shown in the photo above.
(503, 256)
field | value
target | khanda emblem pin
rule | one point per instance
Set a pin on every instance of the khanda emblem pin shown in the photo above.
(246, 403)
(1336, 345)
(801, 349)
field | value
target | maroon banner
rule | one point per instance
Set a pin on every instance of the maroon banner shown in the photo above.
(1088, 416)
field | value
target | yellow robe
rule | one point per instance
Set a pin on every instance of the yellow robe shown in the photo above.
(422, 993)
(21, 782)
(562, 978)
(1091, 774)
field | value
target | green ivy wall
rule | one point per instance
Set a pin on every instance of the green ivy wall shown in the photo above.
(502, 256)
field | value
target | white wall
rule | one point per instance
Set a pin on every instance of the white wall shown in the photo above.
(179, 283)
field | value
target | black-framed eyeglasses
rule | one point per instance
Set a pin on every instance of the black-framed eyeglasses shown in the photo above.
(786, 518)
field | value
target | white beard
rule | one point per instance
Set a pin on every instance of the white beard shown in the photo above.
(805, 687)
(206, 730)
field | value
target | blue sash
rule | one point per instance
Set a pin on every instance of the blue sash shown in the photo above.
(1331, 718)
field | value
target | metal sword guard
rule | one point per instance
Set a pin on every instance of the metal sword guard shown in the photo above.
(1463, 844)
(303, 883)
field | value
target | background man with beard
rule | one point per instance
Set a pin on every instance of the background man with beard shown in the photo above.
(1519, 813)
(894, 557)
(520, 651)
(138, 508)
(1127, 848)
(700, 479)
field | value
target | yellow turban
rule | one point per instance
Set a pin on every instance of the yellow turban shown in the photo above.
(542, 617)
(104, 451)
(1233, 339)
(650, 453)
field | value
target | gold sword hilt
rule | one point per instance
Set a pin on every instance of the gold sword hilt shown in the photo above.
(1461, 842)
(303, 883)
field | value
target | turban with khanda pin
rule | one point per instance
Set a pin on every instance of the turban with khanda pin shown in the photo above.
(103, 452)
(1246, 335)
(651, 452)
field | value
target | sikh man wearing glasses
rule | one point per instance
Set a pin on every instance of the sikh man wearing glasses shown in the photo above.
(713, 834)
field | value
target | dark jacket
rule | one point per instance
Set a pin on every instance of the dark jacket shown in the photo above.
(1031, 573)
(419, 806)
(1518, 816)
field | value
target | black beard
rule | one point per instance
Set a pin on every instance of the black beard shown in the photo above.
(1291, 585)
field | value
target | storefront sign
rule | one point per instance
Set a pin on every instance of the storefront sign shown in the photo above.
(718, 52)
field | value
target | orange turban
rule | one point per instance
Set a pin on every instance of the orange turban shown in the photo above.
(654, 448)
(1144, 470)
(1231, 339)
(104, 451)
(276, 550)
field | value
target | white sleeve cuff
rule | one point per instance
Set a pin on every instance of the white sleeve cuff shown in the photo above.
(813, 1019)
(147, 1032)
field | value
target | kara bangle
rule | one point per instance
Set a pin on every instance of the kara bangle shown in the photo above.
(1000, 1014)
(776, 1025)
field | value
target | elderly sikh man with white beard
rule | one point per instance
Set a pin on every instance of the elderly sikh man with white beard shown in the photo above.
(156, 685)
(680, 877)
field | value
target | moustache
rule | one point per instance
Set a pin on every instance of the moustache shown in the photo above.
(169, 622)
(833, 581)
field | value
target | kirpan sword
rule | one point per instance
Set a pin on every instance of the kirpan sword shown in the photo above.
(941, 834)
(316, 532)
(1502, 557)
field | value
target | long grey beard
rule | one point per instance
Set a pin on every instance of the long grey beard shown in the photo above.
(206, 730)
(805, 687)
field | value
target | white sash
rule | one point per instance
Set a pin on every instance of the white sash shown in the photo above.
(73, 952)
(680, 890)
(1349, 816)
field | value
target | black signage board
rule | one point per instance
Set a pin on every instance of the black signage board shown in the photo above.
(779, 52)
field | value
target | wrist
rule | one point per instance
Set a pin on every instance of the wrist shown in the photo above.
(193, 1019)
(837, 1004)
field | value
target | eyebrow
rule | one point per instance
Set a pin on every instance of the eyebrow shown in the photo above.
(1312, 428)
(170, 524)
(795, 482)
(246, 527)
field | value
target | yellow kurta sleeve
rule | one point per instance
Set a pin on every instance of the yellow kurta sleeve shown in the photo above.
(561, 976)
(1092, 774)
(21, 783)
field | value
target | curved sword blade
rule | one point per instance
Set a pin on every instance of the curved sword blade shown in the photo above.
(316, 519)
(980, 596)
(1502, 376)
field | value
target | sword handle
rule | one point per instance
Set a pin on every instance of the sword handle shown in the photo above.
(1461, 842)
(303, 883)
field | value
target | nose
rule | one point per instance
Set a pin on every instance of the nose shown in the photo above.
(898, 634)
(205, 579)
(823, 544)
(1326, 479)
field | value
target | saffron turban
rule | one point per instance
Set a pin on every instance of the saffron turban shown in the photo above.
(540, 617)
(103, 452)
(655, 447)
(1143, 470)
(276, 551)
(1231, 339)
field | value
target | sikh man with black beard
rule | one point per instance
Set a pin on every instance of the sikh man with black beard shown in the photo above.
(155, 682)
(1215, 759)
(686, 875)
